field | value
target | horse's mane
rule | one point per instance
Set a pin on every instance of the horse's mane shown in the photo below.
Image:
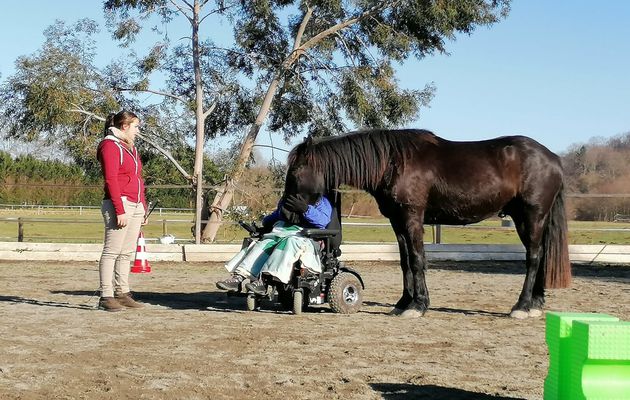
(360, 158)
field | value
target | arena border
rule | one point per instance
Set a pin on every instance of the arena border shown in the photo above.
(601, 253)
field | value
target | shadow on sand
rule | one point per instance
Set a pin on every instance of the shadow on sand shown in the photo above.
(46, 303)
(205, 301)
(402, 391)
(617, 272)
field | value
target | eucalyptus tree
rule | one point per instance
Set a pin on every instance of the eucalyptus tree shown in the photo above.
(198, 80)
(324, 64)
(58, 97)
(313, 66)
(36, 99)
(61, 95)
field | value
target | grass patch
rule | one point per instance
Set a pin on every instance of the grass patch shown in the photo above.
(72, 226)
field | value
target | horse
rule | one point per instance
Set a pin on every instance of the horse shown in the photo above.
(419, 178)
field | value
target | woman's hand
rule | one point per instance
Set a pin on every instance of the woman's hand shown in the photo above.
(121, 220)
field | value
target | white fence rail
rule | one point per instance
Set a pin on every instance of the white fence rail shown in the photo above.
(40, 208)
(611, 254)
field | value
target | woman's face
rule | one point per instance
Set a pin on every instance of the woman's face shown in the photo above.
(131, 130)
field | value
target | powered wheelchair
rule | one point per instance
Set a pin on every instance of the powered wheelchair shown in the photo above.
(339, 286)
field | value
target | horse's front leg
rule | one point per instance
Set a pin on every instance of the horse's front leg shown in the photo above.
(417, 266)
(407, 294)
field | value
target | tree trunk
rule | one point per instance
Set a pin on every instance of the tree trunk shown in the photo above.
(199, 116)
(225, 194)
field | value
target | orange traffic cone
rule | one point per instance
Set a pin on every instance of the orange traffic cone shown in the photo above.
(141, 264)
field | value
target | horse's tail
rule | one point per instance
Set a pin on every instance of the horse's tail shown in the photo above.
(555, 254)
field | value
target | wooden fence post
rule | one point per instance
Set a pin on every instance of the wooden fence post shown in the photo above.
(438, 234)
(20, 230)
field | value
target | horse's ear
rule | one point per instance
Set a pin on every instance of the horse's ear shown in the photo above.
(308, 140)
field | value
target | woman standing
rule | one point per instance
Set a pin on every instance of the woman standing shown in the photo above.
(124, 207)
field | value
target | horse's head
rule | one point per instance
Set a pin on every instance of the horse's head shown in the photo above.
(302, 178)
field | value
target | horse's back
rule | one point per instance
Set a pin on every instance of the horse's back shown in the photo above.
(465, 182)
(504, 146)
(505, 155)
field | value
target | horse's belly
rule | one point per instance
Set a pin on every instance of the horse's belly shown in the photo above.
(446, 217)
(450, 220)
(466, 206)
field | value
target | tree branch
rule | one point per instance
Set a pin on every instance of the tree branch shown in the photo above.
(89, 114)
(302, 28)
(216, 10)
(271, 147)
(151, 10)
(345, 46)
(209, 110)
(342, 25)
(367, 49)
(159, 148)
(182, 11)
(252, 56)
(323, 65)
(172, 96)
(298, 49)
(389, 27)
(168, 155)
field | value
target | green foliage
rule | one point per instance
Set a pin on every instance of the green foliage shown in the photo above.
(343, 77)
(160, 171)
(37, 99)
(29, 180)
(348, 75)
(152, 60)
(91, 227)
(175, 62)
(341, 74)
(372, 98)
(26, 179)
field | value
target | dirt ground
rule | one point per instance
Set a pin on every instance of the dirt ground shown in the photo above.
(191, 341)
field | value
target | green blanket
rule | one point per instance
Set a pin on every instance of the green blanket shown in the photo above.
(275, 254)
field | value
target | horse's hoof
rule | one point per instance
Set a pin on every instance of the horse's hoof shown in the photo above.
(396, 311)
(411, 313)
(519, 314)
(534, 313)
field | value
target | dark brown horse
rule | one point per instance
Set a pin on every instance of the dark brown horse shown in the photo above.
(418, 178)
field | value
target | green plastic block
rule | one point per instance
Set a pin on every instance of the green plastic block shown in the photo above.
(558, 334)
(600, 358)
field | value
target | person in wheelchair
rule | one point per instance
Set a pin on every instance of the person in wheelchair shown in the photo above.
(280, 245)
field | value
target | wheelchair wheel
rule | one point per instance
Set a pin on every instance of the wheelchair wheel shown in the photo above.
(285, 298)
(345, 295)
(252, 302)
(298, 302)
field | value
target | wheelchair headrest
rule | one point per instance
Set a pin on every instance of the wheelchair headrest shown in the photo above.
(335, 221)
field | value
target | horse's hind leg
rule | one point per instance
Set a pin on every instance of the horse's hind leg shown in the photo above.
(538, 294)
(529, 226)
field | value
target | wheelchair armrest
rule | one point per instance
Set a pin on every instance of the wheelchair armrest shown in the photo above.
(314, 233)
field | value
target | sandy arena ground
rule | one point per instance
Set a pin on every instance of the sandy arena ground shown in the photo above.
(193, 342)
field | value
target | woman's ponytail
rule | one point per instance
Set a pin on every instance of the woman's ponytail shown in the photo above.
(109, 122)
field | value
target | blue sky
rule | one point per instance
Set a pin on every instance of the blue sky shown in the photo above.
(555, 70)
